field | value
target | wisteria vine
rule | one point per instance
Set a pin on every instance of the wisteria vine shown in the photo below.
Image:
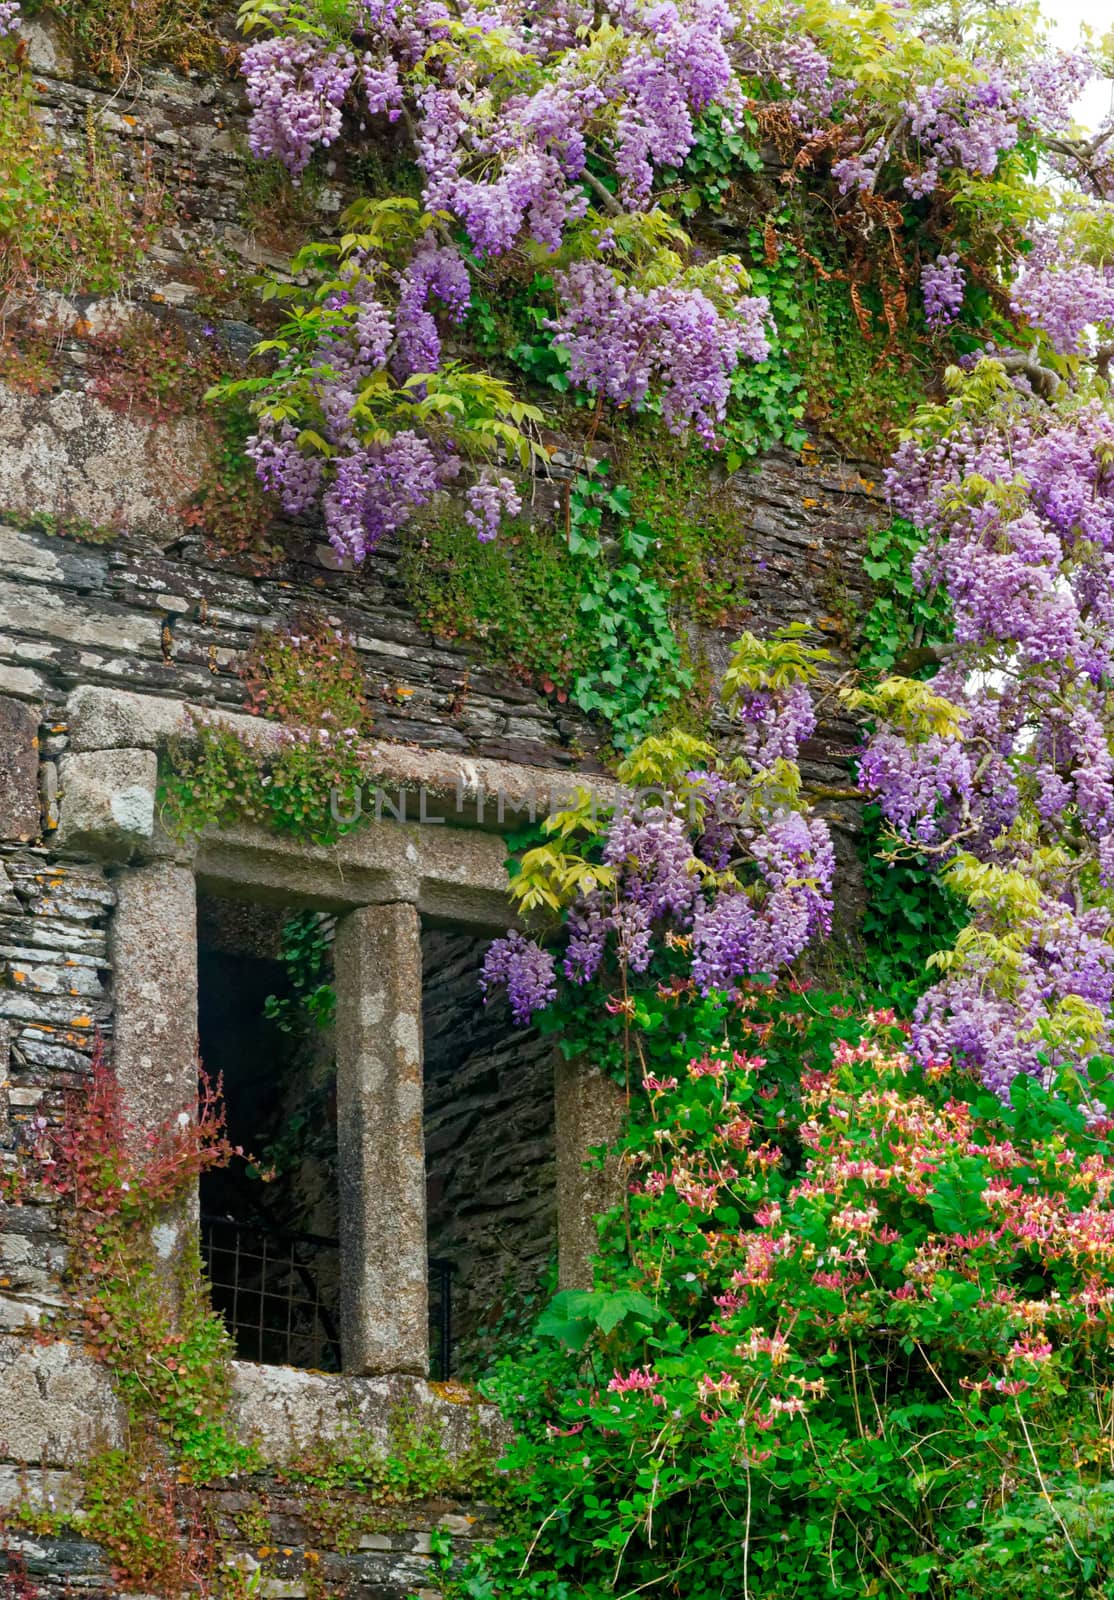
(1014, 788)
(554, 135)
(726, 867)
(547, 131)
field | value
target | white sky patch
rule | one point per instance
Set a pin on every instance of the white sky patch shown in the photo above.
(1067, 18)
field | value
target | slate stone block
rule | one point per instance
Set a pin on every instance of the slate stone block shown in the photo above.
(19, 771)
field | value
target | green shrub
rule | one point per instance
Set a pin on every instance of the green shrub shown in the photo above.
(850, 1335)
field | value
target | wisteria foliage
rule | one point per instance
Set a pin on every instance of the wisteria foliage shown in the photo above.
(1013, 789)
(555, 133)
(723, 862)
(548, 130)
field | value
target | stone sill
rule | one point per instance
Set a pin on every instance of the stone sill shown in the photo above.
(284, 1409)
(59, 1406)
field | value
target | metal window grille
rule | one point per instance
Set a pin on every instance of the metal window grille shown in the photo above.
(278, 1293)
(441, 1315)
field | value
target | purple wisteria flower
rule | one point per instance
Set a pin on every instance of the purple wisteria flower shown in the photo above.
(524, 970)
(295, 87)
(942, 286)
(660, 897)
(488, 501)
(623, 342)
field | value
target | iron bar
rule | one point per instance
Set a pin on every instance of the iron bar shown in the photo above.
(268, 1285)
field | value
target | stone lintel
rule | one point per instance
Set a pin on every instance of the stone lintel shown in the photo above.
(590, 1109)
(120, 719)
(425, 785)
(452, 875)
(380, 1141)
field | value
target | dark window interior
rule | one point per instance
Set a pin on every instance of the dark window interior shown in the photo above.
(269, 1228)
(490, 1160)
(269, 1219)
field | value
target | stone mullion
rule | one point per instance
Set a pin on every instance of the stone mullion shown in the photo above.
(381, 1142)
(589, 1113)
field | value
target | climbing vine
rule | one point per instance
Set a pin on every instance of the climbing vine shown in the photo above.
(152, 1325)
(850, 1331)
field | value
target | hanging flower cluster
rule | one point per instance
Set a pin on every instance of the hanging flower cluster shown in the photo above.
(1014, 787)
(727, 866)
(505, 108)
(544, 130)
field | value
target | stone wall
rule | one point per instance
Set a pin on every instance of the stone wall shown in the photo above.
(298, 1540)
(390, 1559)
(57, 1406)
(489, 1139)
(153, 610)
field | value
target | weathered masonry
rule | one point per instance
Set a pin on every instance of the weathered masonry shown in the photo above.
(437, 1134)
(101, 935)
(381, 883)
(109, 928)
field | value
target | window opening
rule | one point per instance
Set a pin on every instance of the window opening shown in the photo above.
(490, 1149)
(269, 1220)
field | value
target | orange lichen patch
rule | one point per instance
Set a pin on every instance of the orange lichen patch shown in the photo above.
(19, 977)
(810, 503)
(457, 1394)
(82, 1022)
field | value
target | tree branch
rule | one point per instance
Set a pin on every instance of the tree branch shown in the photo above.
(607, 199)
(1043, 379)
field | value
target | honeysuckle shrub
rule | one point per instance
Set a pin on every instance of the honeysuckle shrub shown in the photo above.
(850, 1335)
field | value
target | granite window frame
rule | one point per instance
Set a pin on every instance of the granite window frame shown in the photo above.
(378, 980)
(380, 881)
